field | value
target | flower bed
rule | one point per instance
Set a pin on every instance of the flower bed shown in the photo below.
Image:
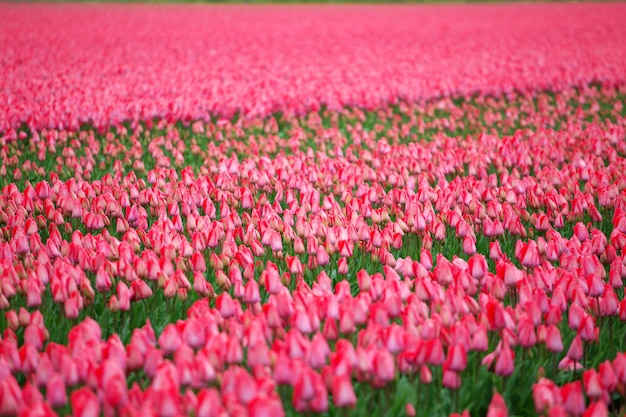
(386, 253)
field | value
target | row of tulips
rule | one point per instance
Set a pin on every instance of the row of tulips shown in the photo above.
(170, 225)
(352, 134)
(237, 360)
(187, 63)
(351, 268)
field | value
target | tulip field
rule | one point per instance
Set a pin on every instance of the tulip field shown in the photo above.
(312, 210)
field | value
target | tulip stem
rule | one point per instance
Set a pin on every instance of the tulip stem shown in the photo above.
(455, 400)
(439, 377)
(381, 399)
(611, 346)
(145, 307)
(522, 364)
(419, 391)
(476, 368)
(582, 361)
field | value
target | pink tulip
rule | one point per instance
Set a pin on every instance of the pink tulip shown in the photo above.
(575, 351)
(495, 252)
(594, 387)
(469, 245)
(457, 358)
(225, 305)
(505, 362)
(546, 394)
(140, 290)
(497, 407)
(209, 404)
(84, 403)
(251, 293)
(12, 319)
(263, 406)
(55, 391)
(11, 396)
(609, 378)
(123, 296)
(270, 278)
(573, 400)
(322, 256)
(554, 342)
(170, 339)
(529, 255)
(478, 266)
(384, 366)
(526, 334)
(597, 409)
(33, 294)
(451, 379)
(587, 330)
(343, 392)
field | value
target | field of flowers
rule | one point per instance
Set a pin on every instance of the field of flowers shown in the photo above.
(340, 210)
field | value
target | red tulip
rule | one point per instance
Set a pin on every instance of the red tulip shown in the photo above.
(33, 293)
(170, 339)
(554, 342)
(265, 407)
(469, 245)
(478, 266)
(526, 334)
(343, 392)
(251, 293)
(10, 396)
(597, 409)
(505, 362)
(384, 366)
(225, 305)
(84, 403)
(13, 321)
(609, 379)
(451, 379)
(594, 387)
(318, 352)
(546, 394)
(457, 358)
(575, 351)
(209, 404)
(480, 340)
(34, 335)
(495, 252)
(573, 400)
(587, 330)
(270, 278)
(497, 407)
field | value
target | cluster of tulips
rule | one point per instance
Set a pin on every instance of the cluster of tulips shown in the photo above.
(66, 65)
(372, 219)
(328, 263)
